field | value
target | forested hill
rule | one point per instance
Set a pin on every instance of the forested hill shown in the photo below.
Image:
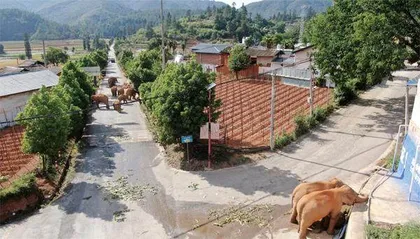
(73, 11)
(269, 8)
(107, 18)
(15, 23)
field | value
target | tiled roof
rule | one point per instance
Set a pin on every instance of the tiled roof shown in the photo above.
(210, 48)
(19, 83)
(30, 63)
(255, 52)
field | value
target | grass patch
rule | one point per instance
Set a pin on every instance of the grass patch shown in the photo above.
(407, 231)
(21, 186)
(283, 140)
(303, 124)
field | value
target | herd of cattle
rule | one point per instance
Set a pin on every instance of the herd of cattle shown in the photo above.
(322, 201)
(123, 93)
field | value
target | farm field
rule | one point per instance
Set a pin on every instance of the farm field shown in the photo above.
(15, 48)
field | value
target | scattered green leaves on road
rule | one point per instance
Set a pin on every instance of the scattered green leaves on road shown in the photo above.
(119, 216)
(258, 215)
(121, 189)
(193, 186)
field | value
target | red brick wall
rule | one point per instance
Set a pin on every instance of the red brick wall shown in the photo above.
(213, 59)
(245, 110)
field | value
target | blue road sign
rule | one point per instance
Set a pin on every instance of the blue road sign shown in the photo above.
(186, 139)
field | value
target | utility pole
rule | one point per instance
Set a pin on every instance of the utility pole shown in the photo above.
(311, 97)
(163, 35)
(45, 57)
(406, 107)
(273, 95)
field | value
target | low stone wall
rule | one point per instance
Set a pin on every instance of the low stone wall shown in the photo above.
(14, 206)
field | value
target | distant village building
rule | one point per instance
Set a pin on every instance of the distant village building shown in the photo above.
(31, 64)
(211, 56)
(263, 57)
(93, 71)
(16, 89)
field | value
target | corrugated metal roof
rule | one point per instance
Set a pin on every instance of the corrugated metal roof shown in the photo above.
(210, 48)
(11, 70)
(19, 83)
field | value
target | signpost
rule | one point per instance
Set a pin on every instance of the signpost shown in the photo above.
(186, 140)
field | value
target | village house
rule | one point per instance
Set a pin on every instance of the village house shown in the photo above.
(263, 57)
(27, 64)
(16, 89)
(211, 56)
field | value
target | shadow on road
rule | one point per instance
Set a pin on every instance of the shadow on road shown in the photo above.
(267, 180)
(102, 145)
(90, 202)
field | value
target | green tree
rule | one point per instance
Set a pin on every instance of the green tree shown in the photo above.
(144, 68)
(56, 56)
(75, 78)
(28, 51)
(85, 82)
(77, 116)
(124, 57)
(183, 46)
(2, 49)
(149, 32)
(94, 58)
(355, 46)
(177, 100)
(238, 59)
(402, 21)
(46, 135)
(249, 42)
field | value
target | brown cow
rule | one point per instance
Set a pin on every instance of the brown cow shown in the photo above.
(112, 81)
(117, 106)
(100, 98)
(114, 91)
(122, 98)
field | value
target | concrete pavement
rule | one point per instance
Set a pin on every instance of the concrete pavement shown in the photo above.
(389, 202)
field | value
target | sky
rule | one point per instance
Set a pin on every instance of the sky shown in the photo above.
(238, 2)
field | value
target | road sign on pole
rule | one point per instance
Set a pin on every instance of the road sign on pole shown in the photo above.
(186, 140)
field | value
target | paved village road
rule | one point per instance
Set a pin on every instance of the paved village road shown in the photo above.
(120, 145)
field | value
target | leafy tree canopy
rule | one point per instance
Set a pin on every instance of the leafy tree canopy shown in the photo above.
(177, 100)
(357, 45)
(71, 70)
(56, 56)
(48, 135)
(238, 59)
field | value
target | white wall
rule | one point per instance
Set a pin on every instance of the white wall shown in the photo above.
(11, 105)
